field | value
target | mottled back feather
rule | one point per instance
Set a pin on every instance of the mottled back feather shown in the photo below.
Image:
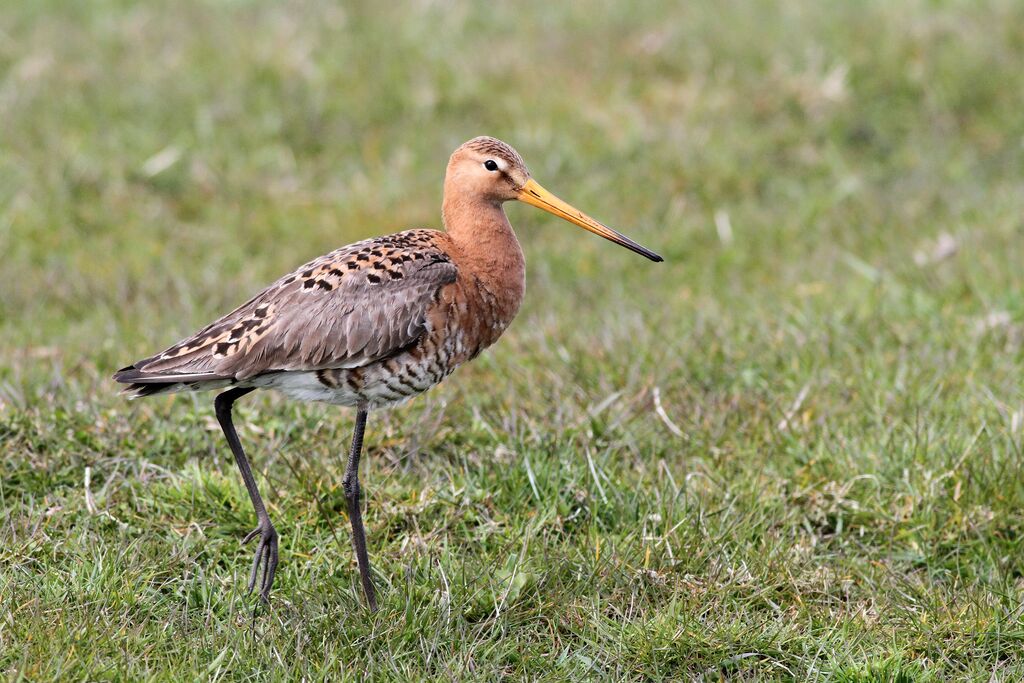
(346, 309)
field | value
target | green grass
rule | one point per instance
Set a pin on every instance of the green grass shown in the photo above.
(838, 190)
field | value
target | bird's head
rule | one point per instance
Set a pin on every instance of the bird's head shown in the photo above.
(490, 169)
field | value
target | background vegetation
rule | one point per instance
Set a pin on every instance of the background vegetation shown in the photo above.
(792, 451)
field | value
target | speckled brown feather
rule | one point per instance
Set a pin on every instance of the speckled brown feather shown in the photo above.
(350, 307)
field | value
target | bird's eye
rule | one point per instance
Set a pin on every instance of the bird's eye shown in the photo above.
(491, 165)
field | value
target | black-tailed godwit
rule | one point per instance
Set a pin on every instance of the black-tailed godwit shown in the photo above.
(371, 324)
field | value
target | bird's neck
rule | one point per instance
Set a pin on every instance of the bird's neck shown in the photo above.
(482, 232)
(483, 235)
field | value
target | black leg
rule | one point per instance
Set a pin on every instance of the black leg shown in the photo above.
(266, 552)
(351, 486)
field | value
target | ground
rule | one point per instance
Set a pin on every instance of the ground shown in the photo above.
(792, 451)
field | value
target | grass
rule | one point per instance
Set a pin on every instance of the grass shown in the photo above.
(792, 451)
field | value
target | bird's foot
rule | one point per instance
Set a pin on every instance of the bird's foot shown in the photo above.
(266, 555)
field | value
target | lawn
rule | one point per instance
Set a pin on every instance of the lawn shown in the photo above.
(792, 451)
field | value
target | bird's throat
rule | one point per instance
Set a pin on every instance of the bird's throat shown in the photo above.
(482, 232)
(486, 242)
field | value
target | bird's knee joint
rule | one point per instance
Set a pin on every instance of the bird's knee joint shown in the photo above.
(351, 488)
(222, 408)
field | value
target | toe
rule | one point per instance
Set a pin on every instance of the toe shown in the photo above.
(255, 569)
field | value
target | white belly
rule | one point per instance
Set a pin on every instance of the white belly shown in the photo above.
(305, 386)
(376, 388)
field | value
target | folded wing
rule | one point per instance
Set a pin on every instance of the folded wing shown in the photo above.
(348, 308)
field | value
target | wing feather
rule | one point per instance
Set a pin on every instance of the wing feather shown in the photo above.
(347, 308)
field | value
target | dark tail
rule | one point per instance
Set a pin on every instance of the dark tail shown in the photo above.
(140, 384)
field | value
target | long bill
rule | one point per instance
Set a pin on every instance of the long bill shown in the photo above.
(535, 195)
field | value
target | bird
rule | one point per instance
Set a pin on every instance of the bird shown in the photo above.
(371, 324)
